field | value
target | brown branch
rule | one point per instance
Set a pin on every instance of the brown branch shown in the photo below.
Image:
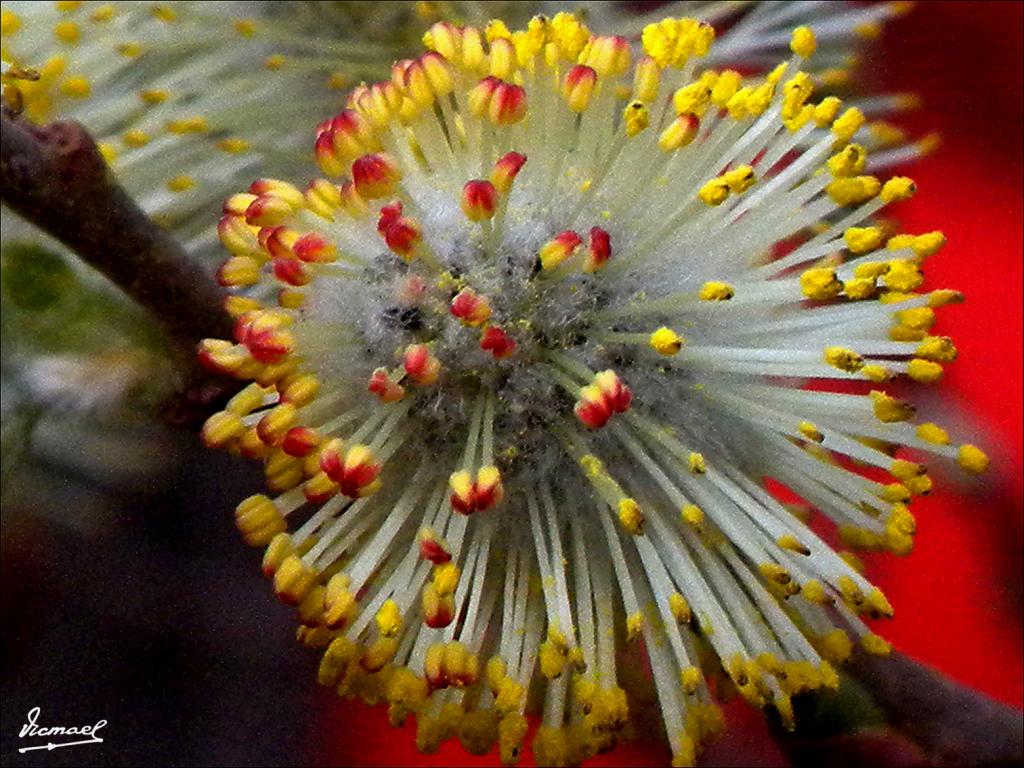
(893, 711)
(56, 178)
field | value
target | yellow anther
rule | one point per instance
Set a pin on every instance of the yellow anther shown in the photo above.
(860, 288)
(10, 22)
(692, 99)
(108, 151)
(888, 409)
(796, 91)
(67, 32)
(233, 146)
(803, 42)
(843, 359)
(726, 86)
(496, 29)
(740, 179)
(631, 516)
(679, 607)
(569, 35)
(692, 515)
(847, 124)
(924, 371)
(164, 13)
(918, 318)
(446, 578)
(896, 493)
(836, 646)
(871, 269)
(814, 591)
(898, 188)
(389, 619)
(853, 190)
(691, 679)
(972, 459)
(776, 573)
(665, 341)
(760, 99)
(811, 432)
(697, 463)
(135, 138)
(775, 76)
(714, 192)
(552, 660)
(849, 161)
(76, 87)
(875, 645)
(826, 111)
(154, 96)
(791, 543)
(715, 290)
(181, 183)
(820, 284)
(919, 486)
(903, 275)
(932, 433)
(877, 373)
(800, 119)
(635, 117)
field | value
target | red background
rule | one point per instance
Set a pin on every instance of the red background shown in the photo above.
(958, 596)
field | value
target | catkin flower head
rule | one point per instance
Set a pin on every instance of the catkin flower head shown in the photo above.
(523, 360)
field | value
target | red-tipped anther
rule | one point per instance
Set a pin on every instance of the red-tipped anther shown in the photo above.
(237, 236)
(268, 210)
(471, 308)
(383, 387)
(506, 170)
(480, 95)
(609, 55)
(559, 248)
(276, 422)
(508, 104)
(403, 237)
(291, 271)
(237, 271)
(438, 612)
(422, 367)
(278, 240)
(617, 394)
(264, 337)
(433, 548)
(237, 203)
(351, 135)
(375, 176)
(600, 250)
(463, 497)
(487, 490)
(593, 408)
(359, 472)
(578, 88)
(300, 442)
(326, 159)
(497, 342)
(389, 214)
(479, 200)
(314, 248)
(222, 356)
(332, 457)
(398, 72)
(427, 78)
